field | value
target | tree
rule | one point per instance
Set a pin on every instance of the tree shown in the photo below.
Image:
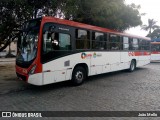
(15, 12)
(154, 34)
(113, 14)
(151, 25)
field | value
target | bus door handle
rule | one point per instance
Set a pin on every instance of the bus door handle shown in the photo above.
(69, 68)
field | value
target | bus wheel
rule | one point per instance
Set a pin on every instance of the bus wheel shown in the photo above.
(132, 66)
(78, 76)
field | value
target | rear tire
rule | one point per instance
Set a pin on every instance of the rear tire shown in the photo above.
(78, 76)
(132, 66)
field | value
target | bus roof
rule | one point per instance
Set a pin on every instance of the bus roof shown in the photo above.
(91, 27)
(155, 43)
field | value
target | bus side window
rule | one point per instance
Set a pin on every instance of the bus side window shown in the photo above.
(133, 44)
(61, 41)
(114, 42)
(82, 39)
(47, 46)
(98, 41)
(54, 41)
(125, 43)
(64, 41)
(142, 44)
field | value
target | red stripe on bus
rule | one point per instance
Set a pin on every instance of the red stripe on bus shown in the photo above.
(155, 52)
(139, 53)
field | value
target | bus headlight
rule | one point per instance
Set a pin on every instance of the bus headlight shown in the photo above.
(32, 70)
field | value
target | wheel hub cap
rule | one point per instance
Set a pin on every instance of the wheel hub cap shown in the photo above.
(79, 76)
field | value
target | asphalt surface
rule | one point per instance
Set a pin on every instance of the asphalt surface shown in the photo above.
(117, 91)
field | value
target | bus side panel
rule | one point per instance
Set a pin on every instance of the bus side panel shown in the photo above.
(113, 59)
(103, 62)
(143, 59)
(125, 60)
(155, 56)
(61, 69)
(36, 79)
(97, 62)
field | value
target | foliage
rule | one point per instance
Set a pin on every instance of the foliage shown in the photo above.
(154, 34)
(114, 14)
(151, 25)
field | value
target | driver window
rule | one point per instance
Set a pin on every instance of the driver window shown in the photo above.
(54, 41)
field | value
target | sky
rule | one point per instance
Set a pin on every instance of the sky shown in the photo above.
(152, 10)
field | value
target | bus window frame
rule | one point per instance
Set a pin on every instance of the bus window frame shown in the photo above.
(117, 43)
(57, 30)
(125, 43)
(75, 39)
(104, 40)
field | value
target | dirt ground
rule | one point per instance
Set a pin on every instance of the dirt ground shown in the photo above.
(8, 78)
(7, 72)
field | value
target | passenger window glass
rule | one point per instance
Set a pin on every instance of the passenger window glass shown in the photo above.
(125, 40)
(98, 41)
(144, 45)
(133, 44)
(99, 36)
(83, 39)
(125, 43)
(114, 42)
(54, 41)
(82, 33)
(65, 43)
(135, 41)
(55, 44)
(114, 38)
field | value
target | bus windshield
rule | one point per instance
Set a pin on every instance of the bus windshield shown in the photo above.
(27, 42)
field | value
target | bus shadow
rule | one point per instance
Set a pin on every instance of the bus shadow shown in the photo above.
(28, 88)
(68, 84)
(112, 74)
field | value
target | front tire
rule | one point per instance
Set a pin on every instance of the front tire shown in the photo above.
(78, 76)
(132, 66)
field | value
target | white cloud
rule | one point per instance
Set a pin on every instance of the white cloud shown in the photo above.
(151, 8)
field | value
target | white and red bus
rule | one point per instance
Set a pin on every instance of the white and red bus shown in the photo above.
(155, 49)
(52, 50)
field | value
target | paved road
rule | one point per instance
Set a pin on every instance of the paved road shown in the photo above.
(118, 91)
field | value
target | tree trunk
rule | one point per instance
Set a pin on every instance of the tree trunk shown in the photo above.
(9, 52)
(150, 30)
(5, 45)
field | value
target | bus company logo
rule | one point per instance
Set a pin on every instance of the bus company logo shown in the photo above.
(94, 55)
(84, 55)
(131, 53)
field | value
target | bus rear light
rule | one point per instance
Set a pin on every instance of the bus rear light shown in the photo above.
(32, 70)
